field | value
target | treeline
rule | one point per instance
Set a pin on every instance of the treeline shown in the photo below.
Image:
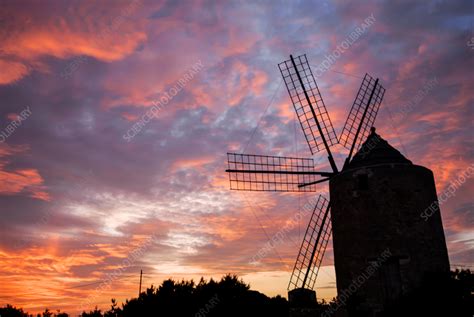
(231, 297)
(228, 297)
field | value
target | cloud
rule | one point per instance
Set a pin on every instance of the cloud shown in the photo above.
(19, 180)
(77, 198)
(79, 29)
(12, 71)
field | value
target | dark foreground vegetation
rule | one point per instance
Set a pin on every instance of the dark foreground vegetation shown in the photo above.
(452, 296)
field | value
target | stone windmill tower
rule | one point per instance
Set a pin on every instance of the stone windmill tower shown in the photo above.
(383, 247)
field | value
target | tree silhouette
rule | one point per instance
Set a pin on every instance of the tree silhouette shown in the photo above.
(95, 313)
(11, 311)
(440, 295)
(228, 297)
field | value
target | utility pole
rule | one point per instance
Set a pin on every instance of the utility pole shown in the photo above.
(140, 288)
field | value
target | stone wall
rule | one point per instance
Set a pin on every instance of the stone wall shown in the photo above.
(379, 236)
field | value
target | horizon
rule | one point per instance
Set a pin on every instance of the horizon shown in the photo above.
(116, 119)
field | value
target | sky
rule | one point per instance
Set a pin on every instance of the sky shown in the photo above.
(88, 199)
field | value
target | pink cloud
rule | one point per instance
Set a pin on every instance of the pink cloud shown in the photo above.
(106, 35)
(20, 180)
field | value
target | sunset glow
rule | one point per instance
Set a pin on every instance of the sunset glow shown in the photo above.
(80, 200)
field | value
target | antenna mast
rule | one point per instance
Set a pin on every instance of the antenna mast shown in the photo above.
(140, 287)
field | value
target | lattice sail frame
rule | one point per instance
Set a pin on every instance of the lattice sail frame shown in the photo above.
(313, 247)
(259, 173)
(348, 134)
(301, 105)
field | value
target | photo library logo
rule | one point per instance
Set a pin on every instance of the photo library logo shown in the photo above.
(160, 103)
(111, 277)
(356, 33)
(102, 36)
(14, 124)
(402, 112)
(449, 192)
(356, 283)
(279, 237)
(211, 304)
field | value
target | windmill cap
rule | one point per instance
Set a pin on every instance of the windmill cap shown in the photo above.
(375, 151)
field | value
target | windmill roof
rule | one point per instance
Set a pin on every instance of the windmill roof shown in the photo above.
(376, 150)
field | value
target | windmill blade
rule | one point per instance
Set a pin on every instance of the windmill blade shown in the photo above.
(308, 103)
(272, 173)
(312, 248)
(362, 115)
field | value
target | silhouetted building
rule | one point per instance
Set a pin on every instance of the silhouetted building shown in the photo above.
(384, 242)
(303, 303)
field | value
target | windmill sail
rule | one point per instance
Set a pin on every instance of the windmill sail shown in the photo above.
(308, 103)
(363, 113)
(272, 173)
(289, 174)
(313, 247)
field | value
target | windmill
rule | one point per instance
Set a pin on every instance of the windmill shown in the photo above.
(292, 174)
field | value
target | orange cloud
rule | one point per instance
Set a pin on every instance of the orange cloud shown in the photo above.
(67, 43)
(129, 117)
(20, 180)
(28, 180)
(108, 36)
(11, 71)
(40, 277)
(6, 150)
(192, 163)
